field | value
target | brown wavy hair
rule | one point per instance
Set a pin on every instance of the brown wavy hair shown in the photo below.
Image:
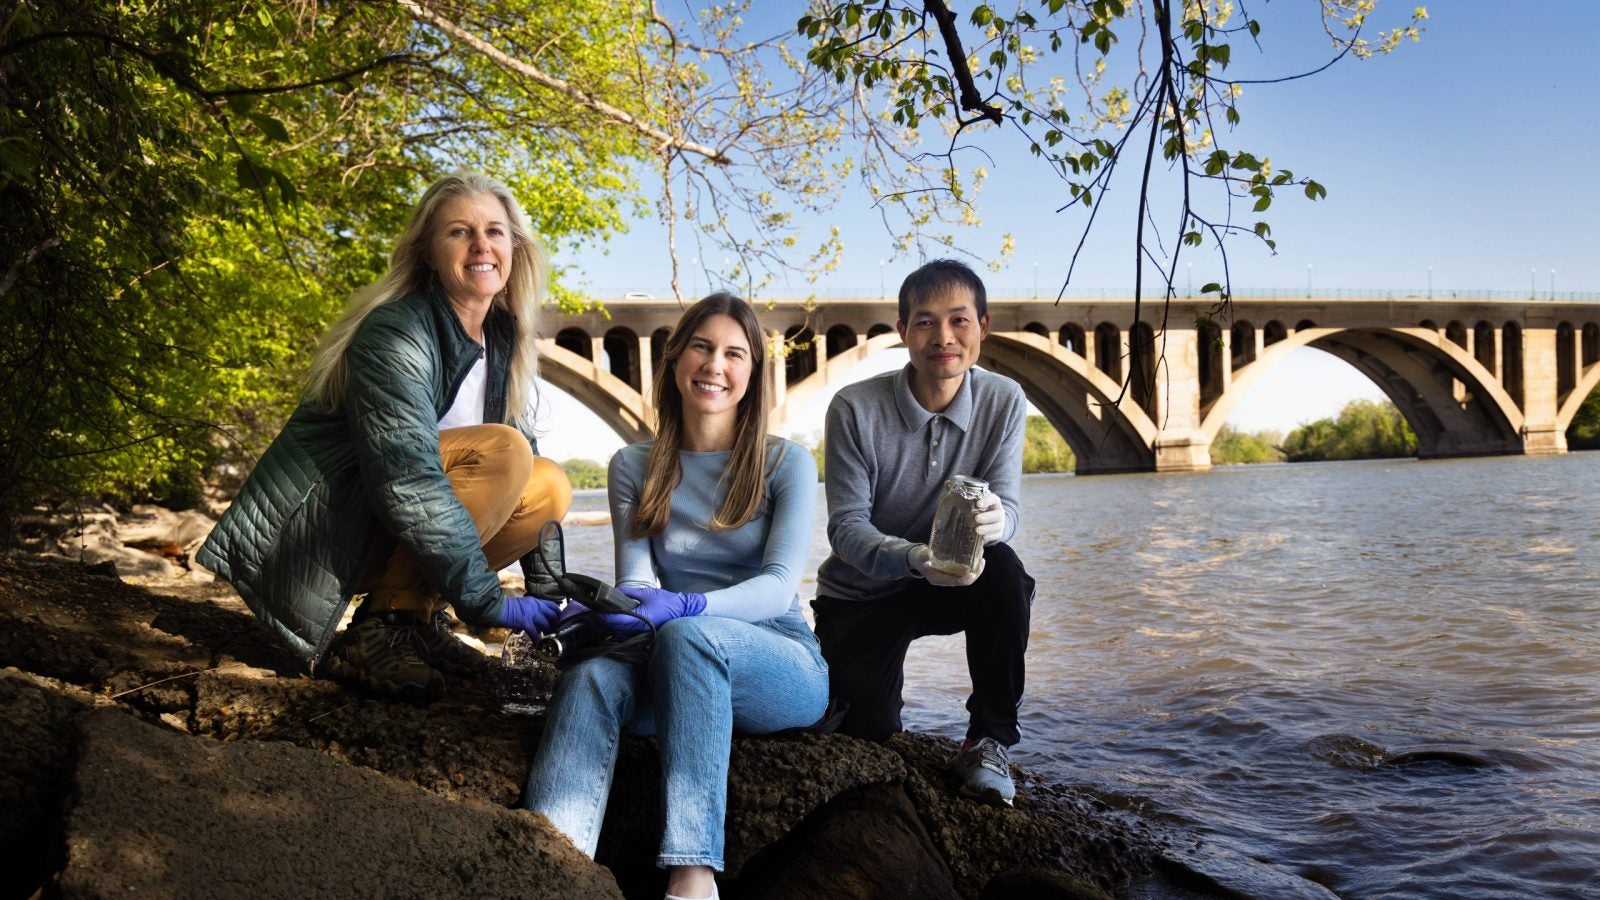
(746, 472)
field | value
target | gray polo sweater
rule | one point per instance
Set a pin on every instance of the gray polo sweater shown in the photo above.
(887, 461)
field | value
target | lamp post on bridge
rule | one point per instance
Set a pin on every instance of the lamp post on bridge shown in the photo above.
(1552, 284)
(1189, 285)
(883, 291)
(1533, 284)
(1430, 282)
(1308, 281)
(1035, 281)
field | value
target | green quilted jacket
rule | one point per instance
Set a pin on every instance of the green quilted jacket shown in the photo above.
(298, 536)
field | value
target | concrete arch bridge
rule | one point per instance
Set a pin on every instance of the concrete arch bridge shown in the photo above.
(1473, 377)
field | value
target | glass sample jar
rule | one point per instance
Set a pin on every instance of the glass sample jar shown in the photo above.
(954, 544)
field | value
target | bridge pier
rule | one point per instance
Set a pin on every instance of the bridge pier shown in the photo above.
(1543, 367)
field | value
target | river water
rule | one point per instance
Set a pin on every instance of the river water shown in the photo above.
(1250, 654)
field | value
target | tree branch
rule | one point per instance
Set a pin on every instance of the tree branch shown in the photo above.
(970, 98)
(519, 67)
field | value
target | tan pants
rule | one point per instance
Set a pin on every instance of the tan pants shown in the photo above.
(507, 490)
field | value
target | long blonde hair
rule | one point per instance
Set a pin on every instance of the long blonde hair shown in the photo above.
(409, 271)
(746, 471)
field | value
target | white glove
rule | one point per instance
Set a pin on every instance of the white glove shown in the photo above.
(990, 520)
(920, 558)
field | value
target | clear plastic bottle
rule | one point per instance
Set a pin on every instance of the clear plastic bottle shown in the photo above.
(954, 544)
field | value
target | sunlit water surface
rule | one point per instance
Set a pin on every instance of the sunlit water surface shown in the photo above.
(1246, 653)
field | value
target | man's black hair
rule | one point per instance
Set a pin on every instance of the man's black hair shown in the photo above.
(937, 277)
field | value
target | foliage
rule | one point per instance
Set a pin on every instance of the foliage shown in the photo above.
(1043, 448)
(194, 192)
(1232, 447)
(1584, 432)
(1365, 429)
(585, 474)
(1151, 86)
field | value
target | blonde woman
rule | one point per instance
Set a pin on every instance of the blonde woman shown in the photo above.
(713, 524)
(408, 473)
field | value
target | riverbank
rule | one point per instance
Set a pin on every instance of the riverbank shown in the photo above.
(161, 740)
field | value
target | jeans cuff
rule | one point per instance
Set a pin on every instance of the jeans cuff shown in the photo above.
(667, 861)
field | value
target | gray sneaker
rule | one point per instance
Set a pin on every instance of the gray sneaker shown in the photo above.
(985, 771)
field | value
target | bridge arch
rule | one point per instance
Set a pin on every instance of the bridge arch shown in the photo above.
(1242, 343)
(839, 338)
(1483, 346)
(1581, 391)
(801, 359)
(1106, 430)
(1418, 371)
(658, 347)
(609, 397)
(797, 395)
(1511, 362)
(1272, 333)
(1072, 337)
(1108, 350)
(622, 354)
(576, 341)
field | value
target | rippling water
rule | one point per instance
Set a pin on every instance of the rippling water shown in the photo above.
(1383, 676)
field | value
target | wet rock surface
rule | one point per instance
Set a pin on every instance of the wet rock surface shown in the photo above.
(159, 739)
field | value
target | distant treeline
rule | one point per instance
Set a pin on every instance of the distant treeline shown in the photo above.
(1364, 429)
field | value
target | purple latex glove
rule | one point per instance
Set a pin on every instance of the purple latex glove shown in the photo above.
(571, 610)
(656, 606)
(534, 615)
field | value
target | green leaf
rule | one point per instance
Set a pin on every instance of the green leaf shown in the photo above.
(1211, 287)
(1315, 191)
(250, 174)
(286, 188)
(239, 104)
(1262, 203)
(270, 127)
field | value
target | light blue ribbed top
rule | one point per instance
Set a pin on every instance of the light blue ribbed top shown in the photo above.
(751, 573)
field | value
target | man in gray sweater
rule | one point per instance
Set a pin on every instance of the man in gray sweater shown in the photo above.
(892, 441)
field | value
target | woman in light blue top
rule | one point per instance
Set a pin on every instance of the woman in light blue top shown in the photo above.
(713, 524)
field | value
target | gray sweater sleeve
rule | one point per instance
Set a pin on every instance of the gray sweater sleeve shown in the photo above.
(850, 479)
(1004, 471)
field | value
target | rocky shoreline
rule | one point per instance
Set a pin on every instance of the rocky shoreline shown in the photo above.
(161, 741)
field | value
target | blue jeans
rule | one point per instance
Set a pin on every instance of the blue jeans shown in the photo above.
(708, 677)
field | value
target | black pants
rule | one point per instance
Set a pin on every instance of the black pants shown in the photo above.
(865, 641)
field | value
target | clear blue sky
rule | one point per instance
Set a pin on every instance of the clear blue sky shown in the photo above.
(1468, 154)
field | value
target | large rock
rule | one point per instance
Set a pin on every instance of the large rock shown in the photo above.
(159, 814)
(262, 765)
